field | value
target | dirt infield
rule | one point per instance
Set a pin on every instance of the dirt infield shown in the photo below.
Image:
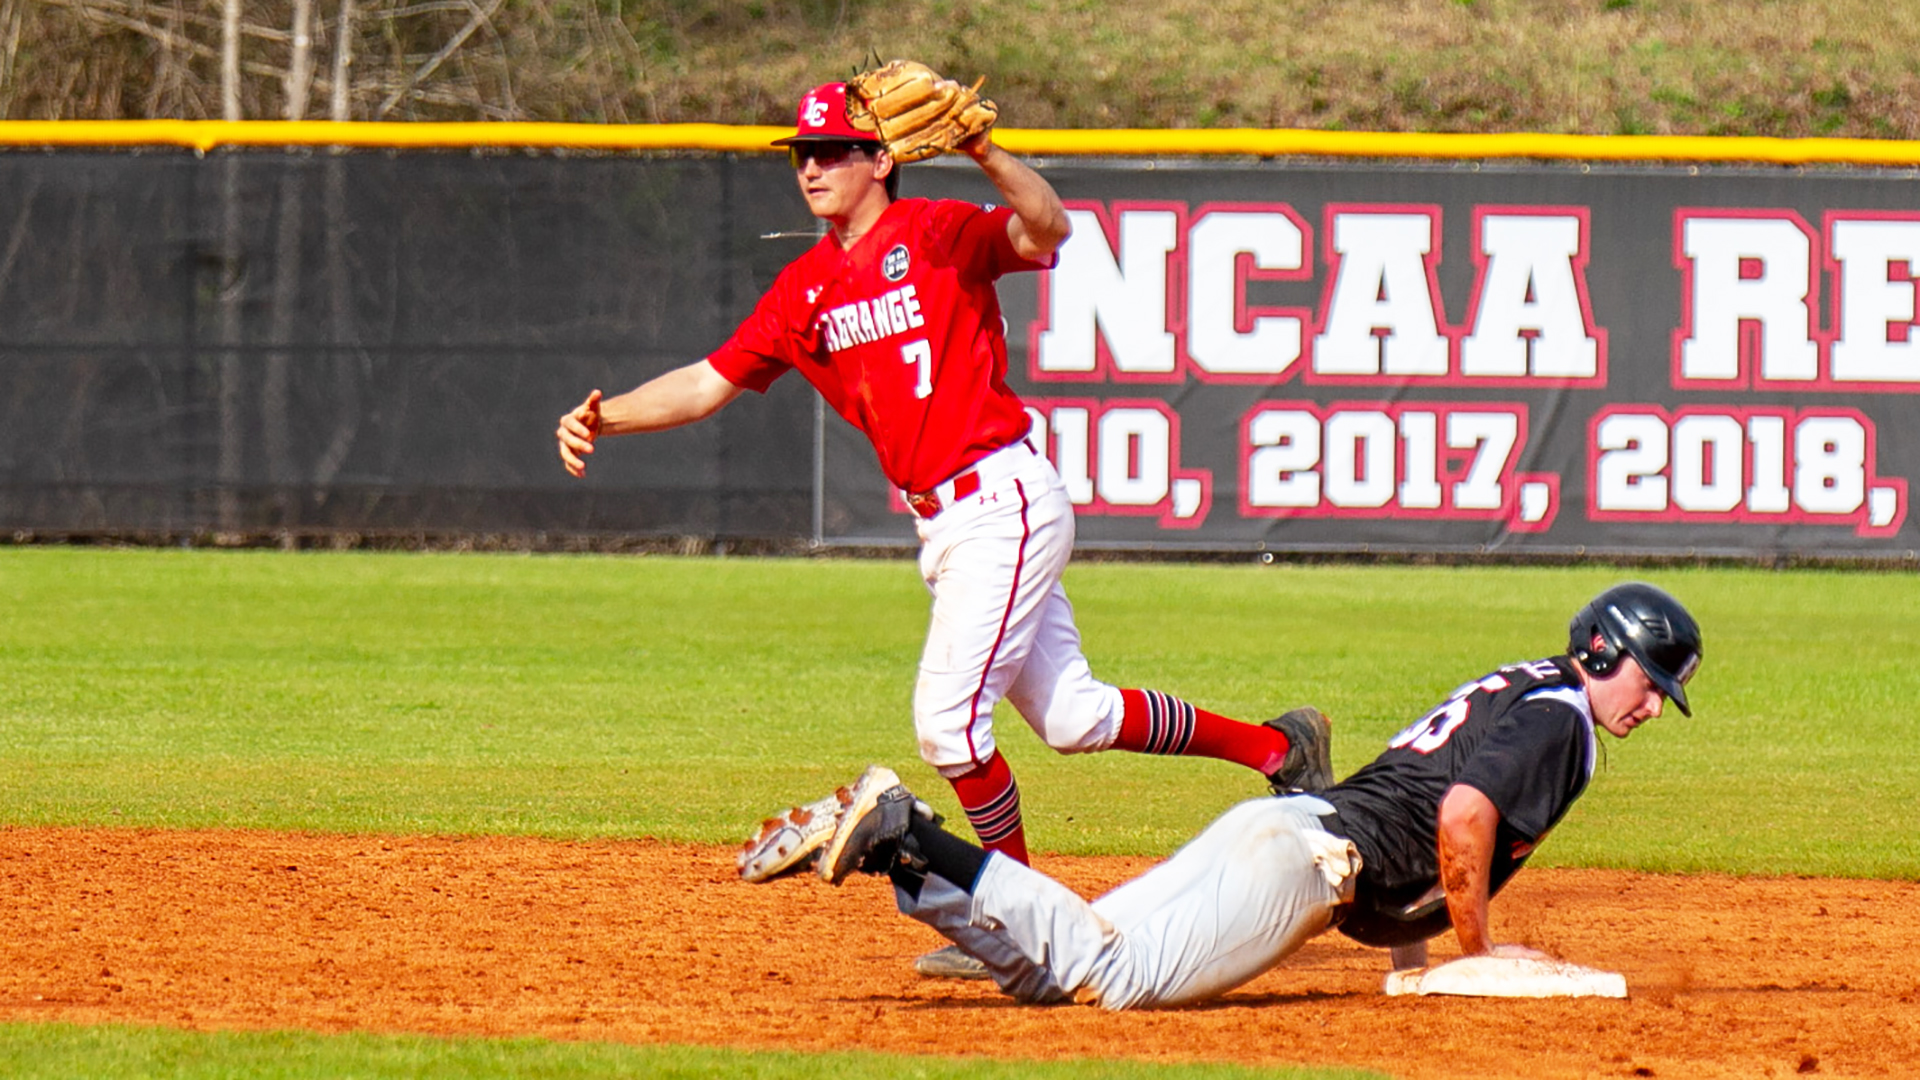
(643, 942)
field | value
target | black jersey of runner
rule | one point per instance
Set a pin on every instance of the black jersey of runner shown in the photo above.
(1523, 736)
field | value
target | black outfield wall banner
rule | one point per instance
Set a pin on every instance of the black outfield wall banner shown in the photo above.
(1231, 354)
(1543, 359)
(255, 344)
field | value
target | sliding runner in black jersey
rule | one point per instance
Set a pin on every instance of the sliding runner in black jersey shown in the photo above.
(1462, 796)
(1416, 842)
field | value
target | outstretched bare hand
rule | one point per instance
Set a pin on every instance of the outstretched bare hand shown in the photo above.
(577, 432)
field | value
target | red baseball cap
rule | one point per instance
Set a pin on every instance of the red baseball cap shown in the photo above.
(822, 117)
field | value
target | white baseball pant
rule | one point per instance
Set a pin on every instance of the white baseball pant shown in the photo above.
(1001, 624)
(1253, 887)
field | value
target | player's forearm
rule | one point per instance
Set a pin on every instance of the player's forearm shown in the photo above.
(1043, 217)
(1468, 824)
(1468, 911)
(679, 397)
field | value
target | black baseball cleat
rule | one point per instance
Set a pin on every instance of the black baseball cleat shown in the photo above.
(874, 814)
(1308, 766)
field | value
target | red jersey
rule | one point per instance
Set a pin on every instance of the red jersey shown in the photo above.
(902, 335)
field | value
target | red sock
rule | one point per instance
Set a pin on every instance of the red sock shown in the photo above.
(1157, 723)
(991, 800)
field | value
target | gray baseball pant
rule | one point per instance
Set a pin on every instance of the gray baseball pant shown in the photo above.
(1255, 885)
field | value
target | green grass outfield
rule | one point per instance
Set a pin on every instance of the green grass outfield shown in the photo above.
(590, 696)
(65, 1051)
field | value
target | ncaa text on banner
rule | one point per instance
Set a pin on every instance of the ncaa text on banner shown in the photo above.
(1150, 292)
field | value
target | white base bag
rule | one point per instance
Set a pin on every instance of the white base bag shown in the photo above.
(1495, 976)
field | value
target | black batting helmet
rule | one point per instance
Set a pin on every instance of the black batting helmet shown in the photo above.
(1644, 622)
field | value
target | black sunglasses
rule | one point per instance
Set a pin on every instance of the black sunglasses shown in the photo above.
(828, 154)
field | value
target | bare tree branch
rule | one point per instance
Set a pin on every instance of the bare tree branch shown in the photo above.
(341, 105)
(10, 16)
(172, 40)
(433, 63)
(127, 22)
(230, 61)
(425, 9)
(299, 81)
(134, 11)
(168, 70)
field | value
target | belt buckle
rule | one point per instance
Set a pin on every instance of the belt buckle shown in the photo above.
(924, 503)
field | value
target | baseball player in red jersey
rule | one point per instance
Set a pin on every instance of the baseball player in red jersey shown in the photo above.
(894, 318)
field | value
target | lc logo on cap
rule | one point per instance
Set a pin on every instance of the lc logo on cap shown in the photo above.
(813, 114)
(822, 117)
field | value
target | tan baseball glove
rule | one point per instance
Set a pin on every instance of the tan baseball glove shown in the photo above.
(915, 112)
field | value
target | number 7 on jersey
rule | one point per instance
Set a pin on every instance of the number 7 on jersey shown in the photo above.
(919, 354)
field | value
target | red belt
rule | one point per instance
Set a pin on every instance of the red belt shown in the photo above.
(927, 503)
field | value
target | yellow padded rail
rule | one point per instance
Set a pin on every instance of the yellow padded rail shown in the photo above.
(206, 135)
(209, 134)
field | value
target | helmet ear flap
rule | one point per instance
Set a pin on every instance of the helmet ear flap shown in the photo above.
(1599, 657)
(1590, 646)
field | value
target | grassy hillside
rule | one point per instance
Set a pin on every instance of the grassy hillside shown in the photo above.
(1718, 67)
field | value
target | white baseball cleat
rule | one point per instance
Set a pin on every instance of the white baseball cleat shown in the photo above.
(788, 841)
(874, 813)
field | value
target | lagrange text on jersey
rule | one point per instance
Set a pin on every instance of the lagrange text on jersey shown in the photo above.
(893, 312)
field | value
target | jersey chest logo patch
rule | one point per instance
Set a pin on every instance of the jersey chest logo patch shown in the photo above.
(894, 266)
